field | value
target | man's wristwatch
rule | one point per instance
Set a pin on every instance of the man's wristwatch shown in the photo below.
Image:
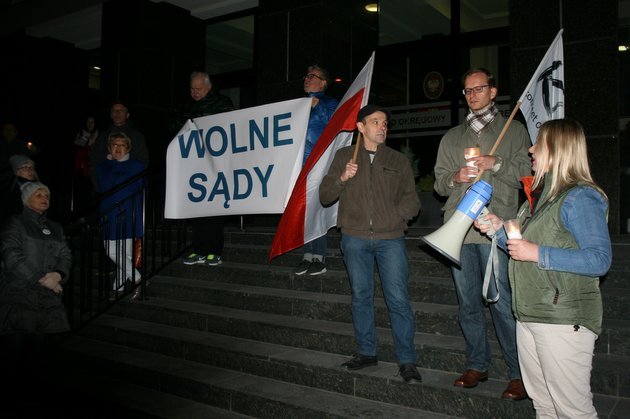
(498, 161)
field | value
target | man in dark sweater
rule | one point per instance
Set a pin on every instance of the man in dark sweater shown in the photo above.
(207, 238)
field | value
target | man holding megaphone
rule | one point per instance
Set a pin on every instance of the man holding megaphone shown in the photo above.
(454, 174)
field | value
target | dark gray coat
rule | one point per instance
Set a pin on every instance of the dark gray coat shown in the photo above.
(28, 253)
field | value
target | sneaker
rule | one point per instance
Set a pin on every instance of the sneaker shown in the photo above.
(193, 259)
(302, 267)
(360, 361)
(317, 267)
(410, 374)
(213, 260)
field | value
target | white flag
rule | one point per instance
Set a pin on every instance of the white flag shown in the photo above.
(543, 98)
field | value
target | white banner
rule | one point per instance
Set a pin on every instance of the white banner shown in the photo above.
(543, 98)
(240, 162)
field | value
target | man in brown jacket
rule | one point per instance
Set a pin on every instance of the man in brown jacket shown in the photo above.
(377, 197)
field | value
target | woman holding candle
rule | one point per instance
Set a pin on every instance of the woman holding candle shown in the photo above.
(554, 273)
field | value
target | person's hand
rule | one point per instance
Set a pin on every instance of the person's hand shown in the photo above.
(495, 223)
(349, 172)
(314, 101)
(483, 162)
(52, 281)
(523, 250)
(465, 174)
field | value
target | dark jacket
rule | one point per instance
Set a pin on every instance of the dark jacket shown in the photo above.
(99, 151)
(211, 104)
(28, 253)
(379, 200)
(118, 209)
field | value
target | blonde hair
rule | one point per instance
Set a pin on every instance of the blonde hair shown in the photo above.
(561, 152)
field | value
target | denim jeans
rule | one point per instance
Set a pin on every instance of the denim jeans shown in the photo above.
(468, 284)
(316, 247)
(391, 256)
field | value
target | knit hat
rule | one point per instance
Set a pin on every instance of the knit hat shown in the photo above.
(368, 110)
(18, 161)
(29, 189)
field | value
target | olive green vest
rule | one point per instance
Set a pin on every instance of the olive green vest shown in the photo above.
(545, 296)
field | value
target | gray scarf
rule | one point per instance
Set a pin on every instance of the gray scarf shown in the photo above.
(479, 120)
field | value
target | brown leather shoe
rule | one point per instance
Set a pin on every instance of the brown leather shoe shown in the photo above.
(515, 390)
(471, 378)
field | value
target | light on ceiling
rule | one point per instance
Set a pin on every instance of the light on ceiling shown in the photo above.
(372, 7)
(624, 48)
(95, 67)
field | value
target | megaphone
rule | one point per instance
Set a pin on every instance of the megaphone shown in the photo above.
(448, 239)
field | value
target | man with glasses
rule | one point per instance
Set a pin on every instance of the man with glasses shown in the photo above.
(453, 176)
(322, 108)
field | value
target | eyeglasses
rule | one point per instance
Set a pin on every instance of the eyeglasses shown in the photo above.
(26, 168)
(310, 76)
(476, 89)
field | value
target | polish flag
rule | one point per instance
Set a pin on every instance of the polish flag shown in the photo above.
(304, 218)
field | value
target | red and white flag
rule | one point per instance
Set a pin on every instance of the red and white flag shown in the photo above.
(305, 219)
(543, 98)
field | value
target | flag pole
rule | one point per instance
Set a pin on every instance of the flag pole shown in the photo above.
(500, 137)
(356, 148)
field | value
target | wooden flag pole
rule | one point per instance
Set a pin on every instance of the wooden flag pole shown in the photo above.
(356, 148)
(500, 137)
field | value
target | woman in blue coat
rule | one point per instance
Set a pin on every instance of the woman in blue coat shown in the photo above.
(121, 212)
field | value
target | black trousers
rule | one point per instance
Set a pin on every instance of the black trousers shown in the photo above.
(207, 235)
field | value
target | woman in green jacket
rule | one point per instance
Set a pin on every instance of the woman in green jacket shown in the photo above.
(554, 272)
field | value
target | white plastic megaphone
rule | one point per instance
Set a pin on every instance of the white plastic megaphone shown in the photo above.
(448, 239)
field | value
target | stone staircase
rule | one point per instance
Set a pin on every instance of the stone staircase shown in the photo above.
(249, 339)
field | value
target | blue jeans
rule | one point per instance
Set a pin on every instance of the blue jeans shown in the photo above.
(472, 319)
(391, 257)
(316, 247)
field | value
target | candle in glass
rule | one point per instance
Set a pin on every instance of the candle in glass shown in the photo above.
(469, 153)
(512, 229)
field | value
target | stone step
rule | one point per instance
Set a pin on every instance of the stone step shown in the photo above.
(421, 290)
(430, 318)
(422, 261)
(236, 391)
(116, 397)
(322, 370)
(439, 352)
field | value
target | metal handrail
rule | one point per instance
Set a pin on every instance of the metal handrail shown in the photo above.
(88, 293)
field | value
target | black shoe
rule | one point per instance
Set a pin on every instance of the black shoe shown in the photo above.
(317, 267)
(302, 267)
(360, 361)
(410, 374)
